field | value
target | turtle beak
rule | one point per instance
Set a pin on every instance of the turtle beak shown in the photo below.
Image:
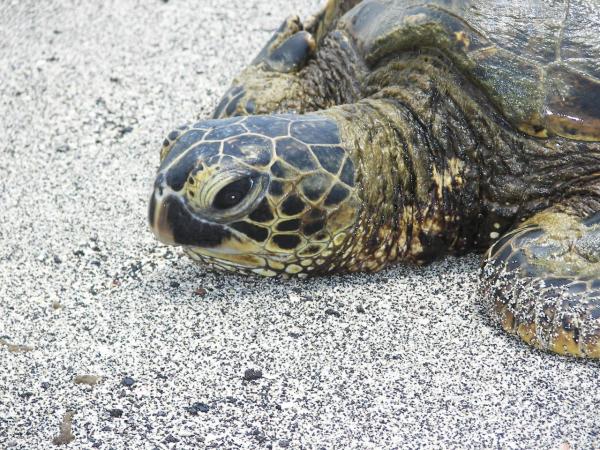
(174, 223)
(158, 211)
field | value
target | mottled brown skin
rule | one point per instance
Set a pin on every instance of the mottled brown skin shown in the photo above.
(466, 127)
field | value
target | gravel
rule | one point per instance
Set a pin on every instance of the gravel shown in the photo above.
(109, 339)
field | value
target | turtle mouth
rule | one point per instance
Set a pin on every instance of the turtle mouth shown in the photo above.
(173, 223)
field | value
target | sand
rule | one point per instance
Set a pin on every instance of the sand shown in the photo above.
(108, 339)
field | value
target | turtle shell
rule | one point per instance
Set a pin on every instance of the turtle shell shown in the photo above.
(538, 61)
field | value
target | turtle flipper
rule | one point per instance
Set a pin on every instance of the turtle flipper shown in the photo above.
(293, 72)
(289, 48)
(543, 282)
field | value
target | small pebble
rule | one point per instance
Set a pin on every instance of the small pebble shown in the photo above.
(197, 407)
(128, 381)
(332, 312)
(201, 292)
(170, 439)
(252, 374)
(90, 380)
(115, 412)
(124, 130)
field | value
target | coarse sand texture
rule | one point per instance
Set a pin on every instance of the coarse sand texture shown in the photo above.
(109, 339)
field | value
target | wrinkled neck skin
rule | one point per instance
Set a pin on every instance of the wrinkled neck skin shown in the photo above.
(418, 202)
(439, 169)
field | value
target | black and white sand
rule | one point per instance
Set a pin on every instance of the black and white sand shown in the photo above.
(111, 340)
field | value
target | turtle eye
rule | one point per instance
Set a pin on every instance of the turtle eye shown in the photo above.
(232, 194)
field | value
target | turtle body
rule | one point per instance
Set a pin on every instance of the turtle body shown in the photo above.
(383, 131)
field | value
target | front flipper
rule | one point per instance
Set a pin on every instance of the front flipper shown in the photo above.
(301, 68)
(289, 48)
(543, 283)
(293, 43)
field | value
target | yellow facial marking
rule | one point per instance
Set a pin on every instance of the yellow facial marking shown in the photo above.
(264, 272)
(293, 268)
(339, 239)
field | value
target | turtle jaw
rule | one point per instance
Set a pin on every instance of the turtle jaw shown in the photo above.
(173, 223)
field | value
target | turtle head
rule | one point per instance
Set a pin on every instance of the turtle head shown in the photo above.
(261, 194)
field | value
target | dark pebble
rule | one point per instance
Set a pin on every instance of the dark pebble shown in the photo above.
(201, 292)
(63, 148)
(128, 381)
(78, 253)
(360, 309)
(197, 407)
(252, 374)
(284, 443)
(174, 284)
(115, 412)
(170, 439)
(125, 130)
(45, 385)
(332, 312)
(57, 259)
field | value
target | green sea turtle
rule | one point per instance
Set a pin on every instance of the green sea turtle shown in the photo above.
(398, 130)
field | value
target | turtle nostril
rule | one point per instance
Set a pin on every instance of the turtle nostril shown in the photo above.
(159, 184)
